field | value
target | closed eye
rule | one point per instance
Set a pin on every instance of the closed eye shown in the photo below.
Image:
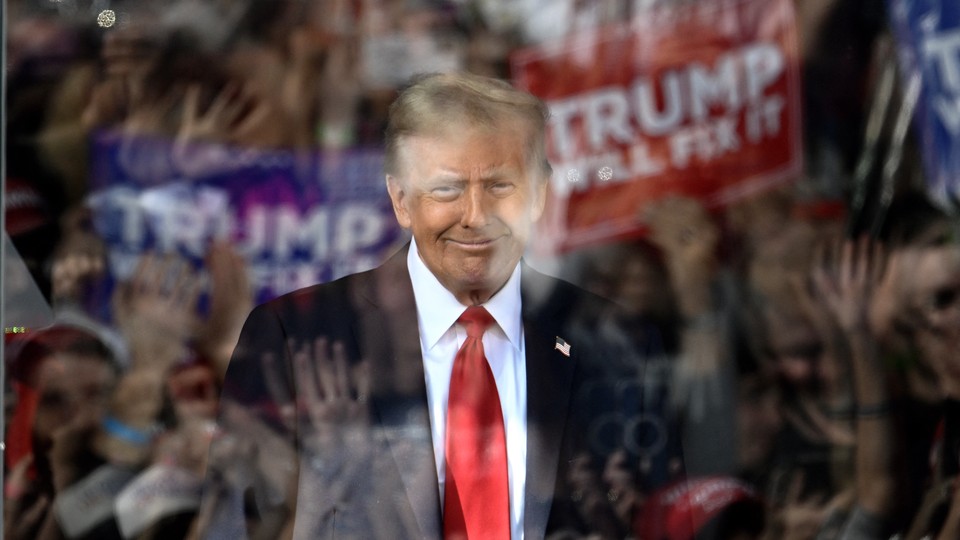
(445, 193)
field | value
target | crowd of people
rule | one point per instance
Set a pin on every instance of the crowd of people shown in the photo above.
(803, 371)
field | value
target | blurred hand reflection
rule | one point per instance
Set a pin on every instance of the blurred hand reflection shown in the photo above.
(156, 310)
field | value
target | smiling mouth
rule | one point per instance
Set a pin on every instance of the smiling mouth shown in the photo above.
(473, 244)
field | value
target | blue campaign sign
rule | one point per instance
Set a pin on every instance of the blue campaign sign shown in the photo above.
(928, 37)
(297, 218)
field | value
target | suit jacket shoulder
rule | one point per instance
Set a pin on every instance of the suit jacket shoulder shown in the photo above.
(577, 405)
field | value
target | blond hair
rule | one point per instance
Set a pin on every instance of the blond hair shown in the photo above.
(430, 102)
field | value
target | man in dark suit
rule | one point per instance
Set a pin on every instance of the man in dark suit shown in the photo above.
(441, 394)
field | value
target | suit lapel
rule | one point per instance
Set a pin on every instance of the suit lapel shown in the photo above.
(549, 382)
(390, 341)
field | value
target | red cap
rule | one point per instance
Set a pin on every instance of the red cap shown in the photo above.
(25, 208)
(679, 510)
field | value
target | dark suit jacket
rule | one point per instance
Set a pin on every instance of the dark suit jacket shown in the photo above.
(385, 485)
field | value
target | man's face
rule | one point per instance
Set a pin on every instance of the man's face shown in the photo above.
(470, 199)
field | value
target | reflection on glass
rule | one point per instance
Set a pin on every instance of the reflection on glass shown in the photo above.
(762, 191)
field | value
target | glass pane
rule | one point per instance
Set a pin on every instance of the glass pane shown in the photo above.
(714, 242)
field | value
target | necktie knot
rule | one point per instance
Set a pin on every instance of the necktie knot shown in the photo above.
(476, 320)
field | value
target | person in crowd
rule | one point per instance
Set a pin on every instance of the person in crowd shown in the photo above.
(64, 378)
(858, 277)
(791, 334)
(918, 326)
(82, 425)
(438, 371)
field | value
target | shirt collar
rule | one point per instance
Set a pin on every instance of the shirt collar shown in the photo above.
(438, 309)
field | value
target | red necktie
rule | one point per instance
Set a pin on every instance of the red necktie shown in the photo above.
(476, 497)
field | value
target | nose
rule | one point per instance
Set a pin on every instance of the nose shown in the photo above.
(475, 211)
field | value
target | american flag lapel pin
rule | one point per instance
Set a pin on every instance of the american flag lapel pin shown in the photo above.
(562, 346)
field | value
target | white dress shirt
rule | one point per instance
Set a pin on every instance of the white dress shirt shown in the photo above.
(441, 338)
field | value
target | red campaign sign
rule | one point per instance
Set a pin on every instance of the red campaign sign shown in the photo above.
(701, 100)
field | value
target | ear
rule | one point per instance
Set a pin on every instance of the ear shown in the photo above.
(397, 194)
(539, 197)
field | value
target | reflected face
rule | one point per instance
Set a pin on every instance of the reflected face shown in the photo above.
(470, 199)
(937, 294)
(643, 288)
(796, 349)
(70, 385)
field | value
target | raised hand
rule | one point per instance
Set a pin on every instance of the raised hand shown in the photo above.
(333, 396)
(126, 57)
(330, 415)
(688, 236)
(682, 228)
(148, 115)
(80, 256)
(623, 493)
(596, 502)
(847, 287)
(340, 93)
(214, 123)
(109, 100)
(156, 310)
(248, 453)
(801, 518)
(849, 290)
(889, 310)
(231, 299)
